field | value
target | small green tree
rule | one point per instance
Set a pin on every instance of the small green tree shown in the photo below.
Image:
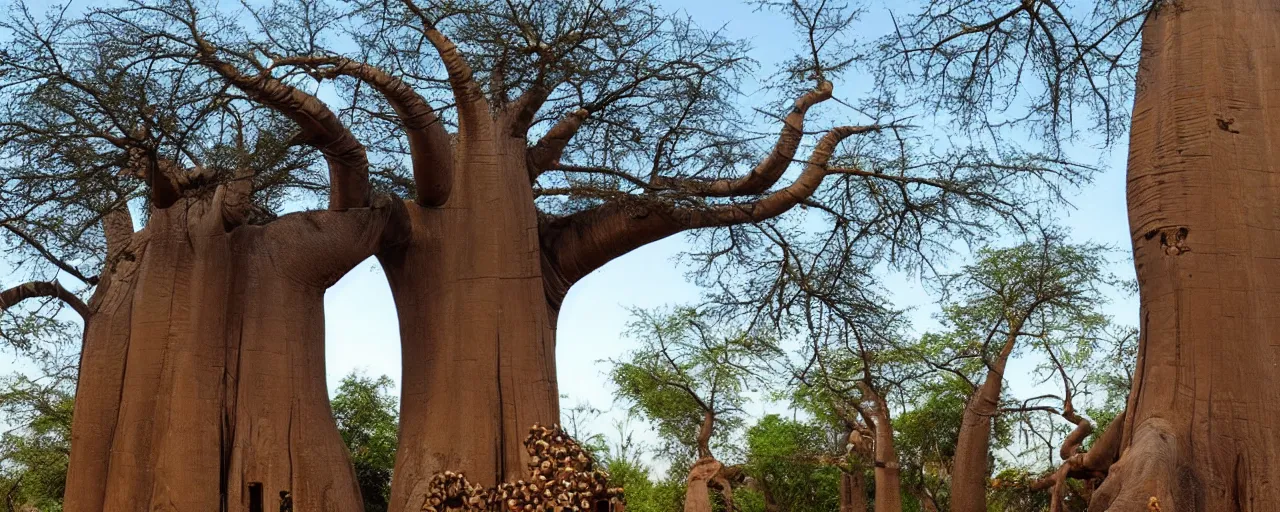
(35, 451)
(1043, 295)
(689, 378)
(365, 410)
(787, 462)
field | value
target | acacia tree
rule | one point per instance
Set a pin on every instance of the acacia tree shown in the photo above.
(1201, 149)
(36, 443)
(842, 381)
(689, 377)
(1044, 293)
(531, 143)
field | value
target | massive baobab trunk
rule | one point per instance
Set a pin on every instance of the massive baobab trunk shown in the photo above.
(1204, 160)
(204, 383)
(479, 283)
(477, 330)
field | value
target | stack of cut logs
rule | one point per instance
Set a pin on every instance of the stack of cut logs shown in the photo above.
(562, 478)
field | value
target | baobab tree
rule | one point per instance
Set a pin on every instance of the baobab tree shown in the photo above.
(1042, 293)
(529, 143)
(1201, 157)
(202, 382)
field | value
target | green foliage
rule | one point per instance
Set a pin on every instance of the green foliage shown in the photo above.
(786, 457)
(367, 419)
(35, 451)
(683, 369)
(925, 435)
(643, 494)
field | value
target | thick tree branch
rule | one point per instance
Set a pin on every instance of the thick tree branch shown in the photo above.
(321, 128)
(546, 154)
(42, 289)
(577, 244)
(163, 177)
(771, 168)
(704, 434)
(117, 229)
(466, 91)
(429, 144)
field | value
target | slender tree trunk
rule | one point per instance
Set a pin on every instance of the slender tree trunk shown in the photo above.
(1204, 163)
(212, 392)
(853, 492)
(477, 331)
(973, 447)
(888, 469)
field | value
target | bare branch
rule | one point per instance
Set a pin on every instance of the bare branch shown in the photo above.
(582, 242)
(40, 248)
(772, 167)
(42, 289)
(321, 128)
(546, 154)
(466, 91)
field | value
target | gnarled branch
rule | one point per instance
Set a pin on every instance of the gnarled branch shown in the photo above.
(546, 154)
(466, 91)
(321, 128)
(42, 289)
(44, 251)
(577, 244)
(429, 144)
(771, 168)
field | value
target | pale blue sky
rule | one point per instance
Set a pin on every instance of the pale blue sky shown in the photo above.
(361, 322)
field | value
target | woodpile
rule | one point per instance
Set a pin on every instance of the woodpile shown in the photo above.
(562, 478)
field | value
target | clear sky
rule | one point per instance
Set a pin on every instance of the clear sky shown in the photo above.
(361, 322)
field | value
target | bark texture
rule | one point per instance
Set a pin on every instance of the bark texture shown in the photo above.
(1200, 433)
(697, 494)
(973, 446)
(472, 307)
(853, 492)
(204, 363)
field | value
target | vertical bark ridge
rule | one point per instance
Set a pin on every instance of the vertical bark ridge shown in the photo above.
(1204, 173)
(461, 308)
(100, 387)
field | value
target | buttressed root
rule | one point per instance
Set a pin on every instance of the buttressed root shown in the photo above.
(1146, 476)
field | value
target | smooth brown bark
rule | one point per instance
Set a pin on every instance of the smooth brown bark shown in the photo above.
(477, 331)
(973, 446)
(1204, 161)
(102, 359)
(888, 469)
(203, 366)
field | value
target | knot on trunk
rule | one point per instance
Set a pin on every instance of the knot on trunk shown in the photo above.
(562, 478)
